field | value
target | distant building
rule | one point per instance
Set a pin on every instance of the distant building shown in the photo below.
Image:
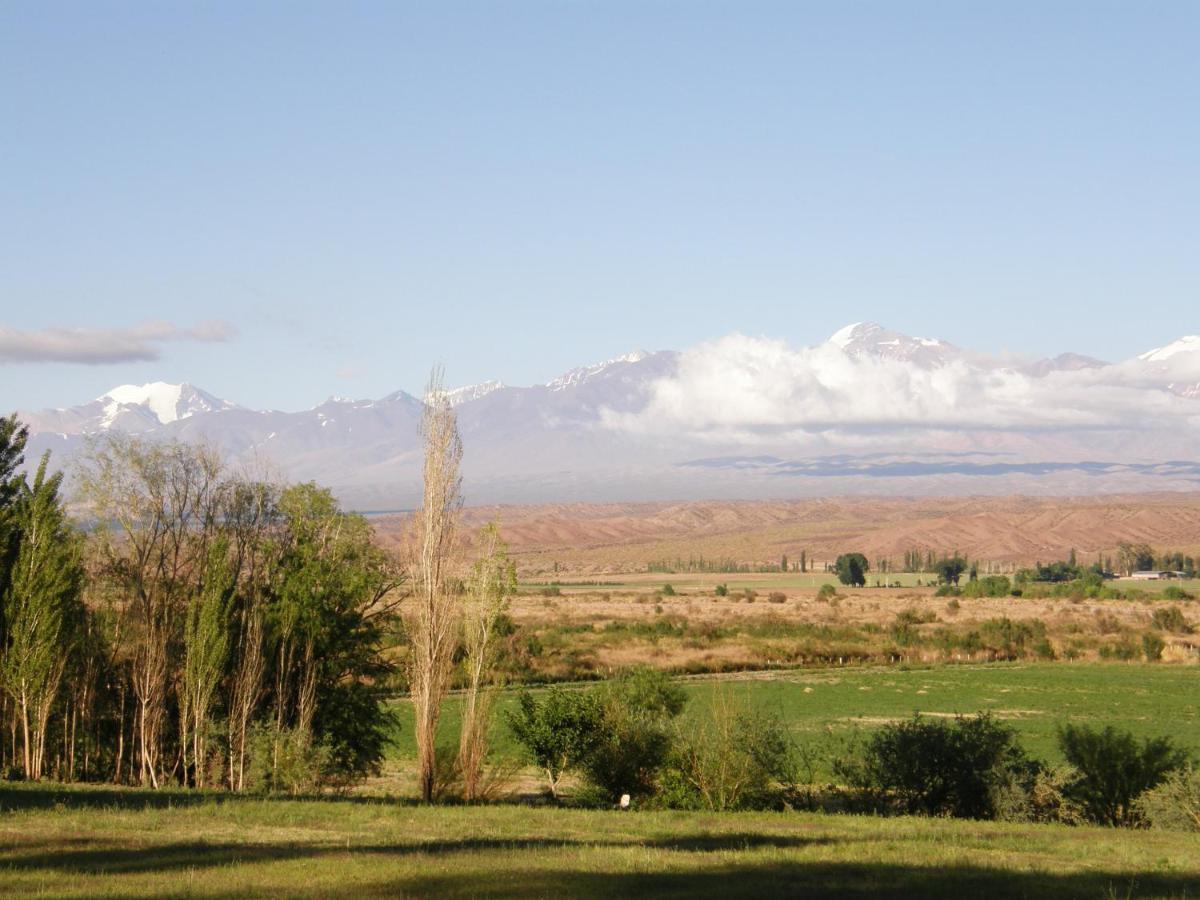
(1153, 576)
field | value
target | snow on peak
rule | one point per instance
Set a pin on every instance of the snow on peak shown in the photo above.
(160, 398)
(165, 402)
(471, 392)
(1187, 344)
(586, 373)
(843, 336)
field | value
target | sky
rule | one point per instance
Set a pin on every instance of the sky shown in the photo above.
(282, 202)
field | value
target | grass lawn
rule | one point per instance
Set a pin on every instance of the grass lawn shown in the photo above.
(83, 842)
(826, 706)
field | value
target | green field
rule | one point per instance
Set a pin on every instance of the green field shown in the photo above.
(57, 842)
(823, 707)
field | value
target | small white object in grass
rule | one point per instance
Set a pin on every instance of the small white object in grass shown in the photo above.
(624, 804)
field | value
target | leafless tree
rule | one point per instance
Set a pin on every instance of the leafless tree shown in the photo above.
(434, 617)
(492, 581)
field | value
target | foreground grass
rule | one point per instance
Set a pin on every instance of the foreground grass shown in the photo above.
(105, 842)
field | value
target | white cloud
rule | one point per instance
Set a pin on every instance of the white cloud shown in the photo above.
(102, 346)
(740, 387)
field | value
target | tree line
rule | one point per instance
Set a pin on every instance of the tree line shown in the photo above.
(211, 629)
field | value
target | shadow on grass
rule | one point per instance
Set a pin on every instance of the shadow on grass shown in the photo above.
(775, 878)
(554, 868)
(80, 855)
(32, 796)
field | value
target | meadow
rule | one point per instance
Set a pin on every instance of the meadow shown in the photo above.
(826, 709)
(99, 842)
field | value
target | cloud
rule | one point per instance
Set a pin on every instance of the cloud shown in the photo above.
(741, 388)
(102, 346)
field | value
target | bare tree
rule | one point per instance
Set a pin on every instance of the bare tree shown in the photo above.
(492, 581)
(164, 500)
(433, 626)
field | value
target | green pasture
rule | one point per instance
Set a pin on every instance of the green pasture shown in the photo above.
(826, 707)
(107, 842)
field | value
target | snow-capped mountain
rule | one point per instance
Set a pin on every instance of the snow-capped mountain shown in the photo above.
(1179, 359)
(586, 373)
(1187, 344)
(461, 395)
(131, 408)
(870, 410)
(870, 340)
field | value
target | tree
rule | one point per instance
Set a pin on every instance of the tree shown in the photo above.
(950, 569)
(852, 569)
(492, 581)
(1112, 769)
(42, 610)
(13, 436)
(335, 601)
(559, 732)
(433, 627)
(165, 501)
(937, 767)
(1135, 557)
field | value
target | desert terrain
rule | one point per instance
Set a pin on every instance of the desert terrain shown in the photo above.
(603, 539)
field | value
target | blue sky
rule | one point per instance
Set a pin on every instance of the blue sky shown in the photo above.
(341, 194)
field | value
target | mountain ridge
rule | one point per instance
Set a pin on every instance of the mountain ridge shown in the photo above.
(736, 417)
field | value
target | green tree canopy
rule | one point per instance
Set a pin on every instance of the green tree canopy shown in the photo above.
(852, 569)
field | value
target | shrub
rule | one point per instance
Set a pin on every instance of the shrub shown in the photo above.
(558, 732)
(1152, 647)
(1171, 619)
(286, 760)
(1172, 592)
(668, 590)
(938, 768)
(733, 758)
(1112, 769)
(776, 597)
(826, 593)
(988, 586)
(722, 590)
(1175, 803)
(633, 740)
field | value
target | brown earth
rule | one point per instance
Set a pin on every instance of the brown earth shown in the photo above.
(625, 537)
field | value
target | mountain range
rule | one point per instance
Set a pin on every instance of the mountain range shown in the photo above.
(870, 411)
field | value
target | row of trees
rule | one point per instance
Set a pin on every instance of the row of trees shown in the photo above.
(217, 630)
(207, 624)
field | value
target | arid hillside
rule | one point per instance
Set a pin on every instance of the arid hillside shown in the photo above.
(623, 537)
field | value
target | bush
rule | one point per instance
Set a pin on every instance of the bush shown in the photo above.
(285, 761)
(722, 590)
(942, 768)
(776, 597)
(1172, 592)
(633, 740)
(558, 732)
(1170, 619)
(988, 586)
(733, 758)
(1112, 769)
(1153, 646)
(826, 593)
(1174, 804)
(668, 590)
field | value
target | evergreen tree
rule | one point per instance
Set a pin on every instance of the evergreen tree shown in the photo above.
(42, 610)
